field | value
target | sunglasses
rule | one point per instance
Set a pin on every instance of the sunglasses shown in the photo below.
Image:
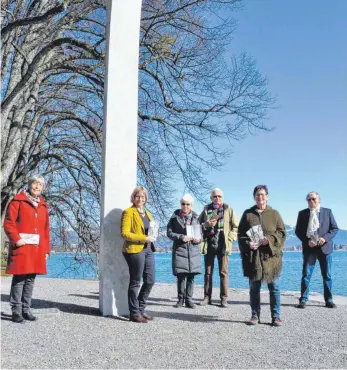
(218, 196)
(185, 204)
(311, 199)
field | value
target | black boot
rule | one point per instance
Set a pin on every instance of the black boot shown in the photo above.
(190, 304)
(179, 304)
(17, 317)
(28, 316)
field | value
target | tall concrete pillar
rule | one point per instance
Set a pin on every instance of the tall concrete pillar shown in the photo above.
(119, 148)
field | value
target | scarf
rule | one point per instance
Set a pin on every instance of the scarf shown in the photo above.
(219, 210)
(142, 211)
(187, 217)
(313, 224)
(33, 200)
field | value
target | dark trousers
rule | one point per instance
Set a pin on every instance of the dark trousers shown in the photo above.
(140, 265)
(223, 272)
(275, 298)
(310, 258)
(21, 292)
(185, 287)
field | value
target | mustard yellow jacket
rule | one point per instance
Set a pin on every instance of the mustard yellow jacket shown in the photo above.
(133, 230)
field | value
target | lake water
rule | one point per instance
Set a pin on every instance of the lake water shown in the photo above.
(64, 265)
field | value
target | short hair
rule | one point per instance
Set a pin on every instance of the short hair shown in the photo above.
(135, 191)
(312, 192)
(259, 187)
(36, 178)
(214, 190)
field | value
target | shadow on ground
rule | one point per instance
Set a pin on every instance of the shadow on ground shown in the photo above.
(63, 307)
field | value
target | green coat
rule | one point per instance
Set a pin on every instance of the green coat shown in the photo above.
(265, 263)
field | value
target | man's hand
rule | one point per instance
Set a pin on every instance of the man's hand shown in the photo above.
(253, 245)
(186, 239)
(311, 244)
(321, 241)
(20, 243)
(196, 241)
(211, 223)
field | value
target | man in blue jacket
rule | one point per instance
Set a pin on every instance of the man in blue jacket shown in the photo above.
(316, 228)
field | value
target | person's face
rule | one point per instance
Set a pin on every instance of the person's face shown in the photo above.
(186, 207)
(35, 188)
(217, 197)
(140, 199)
(313, 200)
(261, 198)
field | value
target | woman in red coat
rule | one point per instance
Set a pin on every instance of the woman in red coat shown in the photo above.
(27, 227)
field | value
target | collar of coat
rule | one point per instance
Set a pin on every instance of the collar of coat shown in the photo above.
(180, 218)
(210, 206)
(22, 197)
(254, 209)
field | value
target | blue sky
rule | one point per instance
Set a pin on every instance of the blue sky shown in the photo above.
(301, 47)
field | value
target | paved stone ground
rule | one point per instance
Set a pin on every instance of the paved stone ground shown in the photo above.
(70, 333)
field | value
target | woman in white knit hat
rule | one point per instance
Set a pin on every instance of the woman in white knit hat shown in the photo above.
(184, 230)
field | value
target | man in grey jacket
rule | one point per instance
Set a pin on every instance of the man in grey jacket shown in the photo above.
(220, 230)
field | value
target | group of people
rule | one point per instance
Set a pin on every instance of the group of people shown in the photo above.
(261, 235)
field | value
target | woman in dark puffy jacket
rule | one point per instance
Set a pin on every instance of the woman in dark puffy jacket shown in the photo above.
(186, 259)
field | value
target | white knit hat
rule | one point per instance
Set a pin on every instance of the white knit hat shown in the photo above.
(187, 198)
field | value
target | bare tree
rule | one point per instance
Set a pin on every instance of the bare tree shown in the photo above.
(193, 102)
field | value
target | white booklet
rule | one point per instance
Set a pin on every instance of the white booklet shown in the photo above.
(256, 233)
(153, 229)
(30, 238)
(194, 231)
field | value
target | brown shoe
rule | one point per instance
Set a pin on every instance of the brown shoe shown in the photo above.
(276, 322)
(253, 321)
(147, 317)
(138, 318)
(206, 301)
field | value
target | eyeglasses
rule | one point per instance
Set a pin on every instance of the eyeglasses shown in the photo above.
(185, 204)
(218, 196)
(140, 197)
(311, 199)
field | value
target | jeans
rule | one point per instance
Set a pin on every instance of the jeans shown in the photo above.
(223, 273)
(140, 265)
(21, 292)
(185, 287)
(310, 259)
(275, 298)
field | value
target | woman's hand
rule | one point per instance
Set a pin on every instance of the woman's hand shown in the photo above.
(253, 246)
(264, 241)
(47, 256)
(196, 241)
(20, 243)
(149, 239)
(186, 239)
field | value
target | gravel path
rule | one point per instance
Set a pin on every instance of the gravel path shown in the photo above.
(70, 333)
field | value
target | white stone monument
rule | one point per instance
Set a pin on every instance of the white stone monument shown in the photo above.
(119, 148)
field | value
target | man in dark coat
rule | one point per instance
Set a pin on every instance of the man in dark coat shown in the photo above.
(316, 228)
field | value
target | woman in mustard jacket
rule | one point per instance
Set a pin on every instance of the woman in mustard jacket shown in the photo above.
(138, 251)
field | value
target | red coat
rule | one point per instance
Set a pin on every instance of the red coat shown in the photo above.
(23, 217)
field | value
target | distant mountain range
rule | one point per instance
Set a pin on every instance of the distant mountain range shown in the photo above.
(340, 238)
